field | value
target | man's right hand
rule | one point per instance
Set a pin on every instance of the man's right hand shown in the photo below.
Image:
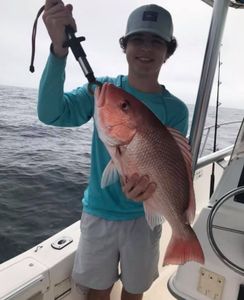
(56, 16)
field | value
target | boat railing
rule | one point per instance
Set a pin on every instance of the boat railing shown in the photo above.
(214, 157)
(209, 128)
(218, 155)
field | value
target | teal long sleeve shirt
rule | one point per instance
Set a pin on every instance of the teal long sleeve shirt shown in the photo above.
(58, 108)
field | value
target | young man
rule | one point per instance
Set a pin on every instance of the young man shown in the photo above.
(113, 225)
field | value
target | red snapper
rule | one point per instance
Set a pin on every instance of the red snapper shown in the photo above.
(139, 143)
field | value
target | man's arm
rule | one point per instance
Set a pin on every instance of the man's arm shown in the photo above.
(56, 107)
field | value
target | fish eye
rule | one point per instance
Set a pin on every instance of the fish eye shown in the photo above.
(125, 105)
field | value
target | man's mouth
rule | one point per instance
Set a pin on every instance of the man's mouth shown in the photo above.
(144, 59)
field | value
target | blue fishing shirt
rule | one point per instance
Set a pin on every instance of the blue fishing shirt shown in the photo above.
(76, 108)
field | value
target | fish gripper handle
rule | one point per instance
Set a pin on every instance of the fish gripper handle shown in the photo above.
(74, 43)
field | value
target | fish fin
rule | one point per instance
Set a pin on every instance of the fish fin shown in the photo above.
(110, 175)
(153, 218)
(191, 209)
(182, 249)
(185, 148)
(183, 144)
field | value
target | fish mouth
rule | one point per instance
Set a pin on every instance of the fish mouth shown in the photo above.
(103, 92)
(99, 95)
(110, 141)
(110, 127)
(117, 137)
(108, 138)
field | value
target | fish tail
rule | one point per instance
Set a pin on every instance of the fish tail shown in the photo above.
(183, 248)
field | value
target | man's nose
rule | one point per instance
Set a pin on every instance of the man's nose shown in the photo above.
(146, 44)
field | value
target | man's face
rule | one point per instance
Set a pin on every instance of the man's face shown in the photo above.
(145, 53)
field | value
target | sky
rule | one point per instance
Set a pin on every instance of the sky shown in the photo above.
(103, 23)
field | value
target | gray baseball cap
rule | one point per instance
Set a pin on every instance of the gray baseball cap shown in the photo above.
(152, 19)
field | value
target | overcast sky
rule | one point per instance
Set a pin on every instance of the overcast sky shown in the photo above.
(103, 23)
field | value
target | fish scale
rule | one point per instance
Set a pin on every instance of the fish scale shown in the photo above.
(145, 163)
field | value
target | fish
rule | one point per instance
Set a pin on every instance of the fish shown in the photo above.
(138, 142)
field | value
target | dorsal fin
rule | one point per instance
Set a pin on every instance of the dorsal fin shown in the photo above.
(182, 143)
(185, 149)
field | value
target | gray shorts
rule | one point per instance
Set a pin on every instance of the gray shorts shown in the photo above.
(106, 245)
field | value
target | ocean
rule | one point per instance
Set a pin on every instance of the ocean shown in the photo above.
(44, 170)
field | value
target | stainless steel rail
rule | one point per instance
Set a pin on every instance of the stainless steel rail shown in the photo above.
(209, 128)
(220, 10)
(214, 157)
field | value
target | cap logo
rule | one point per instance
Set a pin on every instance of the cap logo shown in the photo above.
(150, 16)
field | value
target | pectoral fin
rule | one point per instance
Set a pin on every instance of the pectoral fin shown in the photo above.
(152, 213)
(110, 175)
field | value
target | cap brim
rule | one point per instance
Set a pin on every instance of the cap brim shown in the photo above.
(148, 30)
